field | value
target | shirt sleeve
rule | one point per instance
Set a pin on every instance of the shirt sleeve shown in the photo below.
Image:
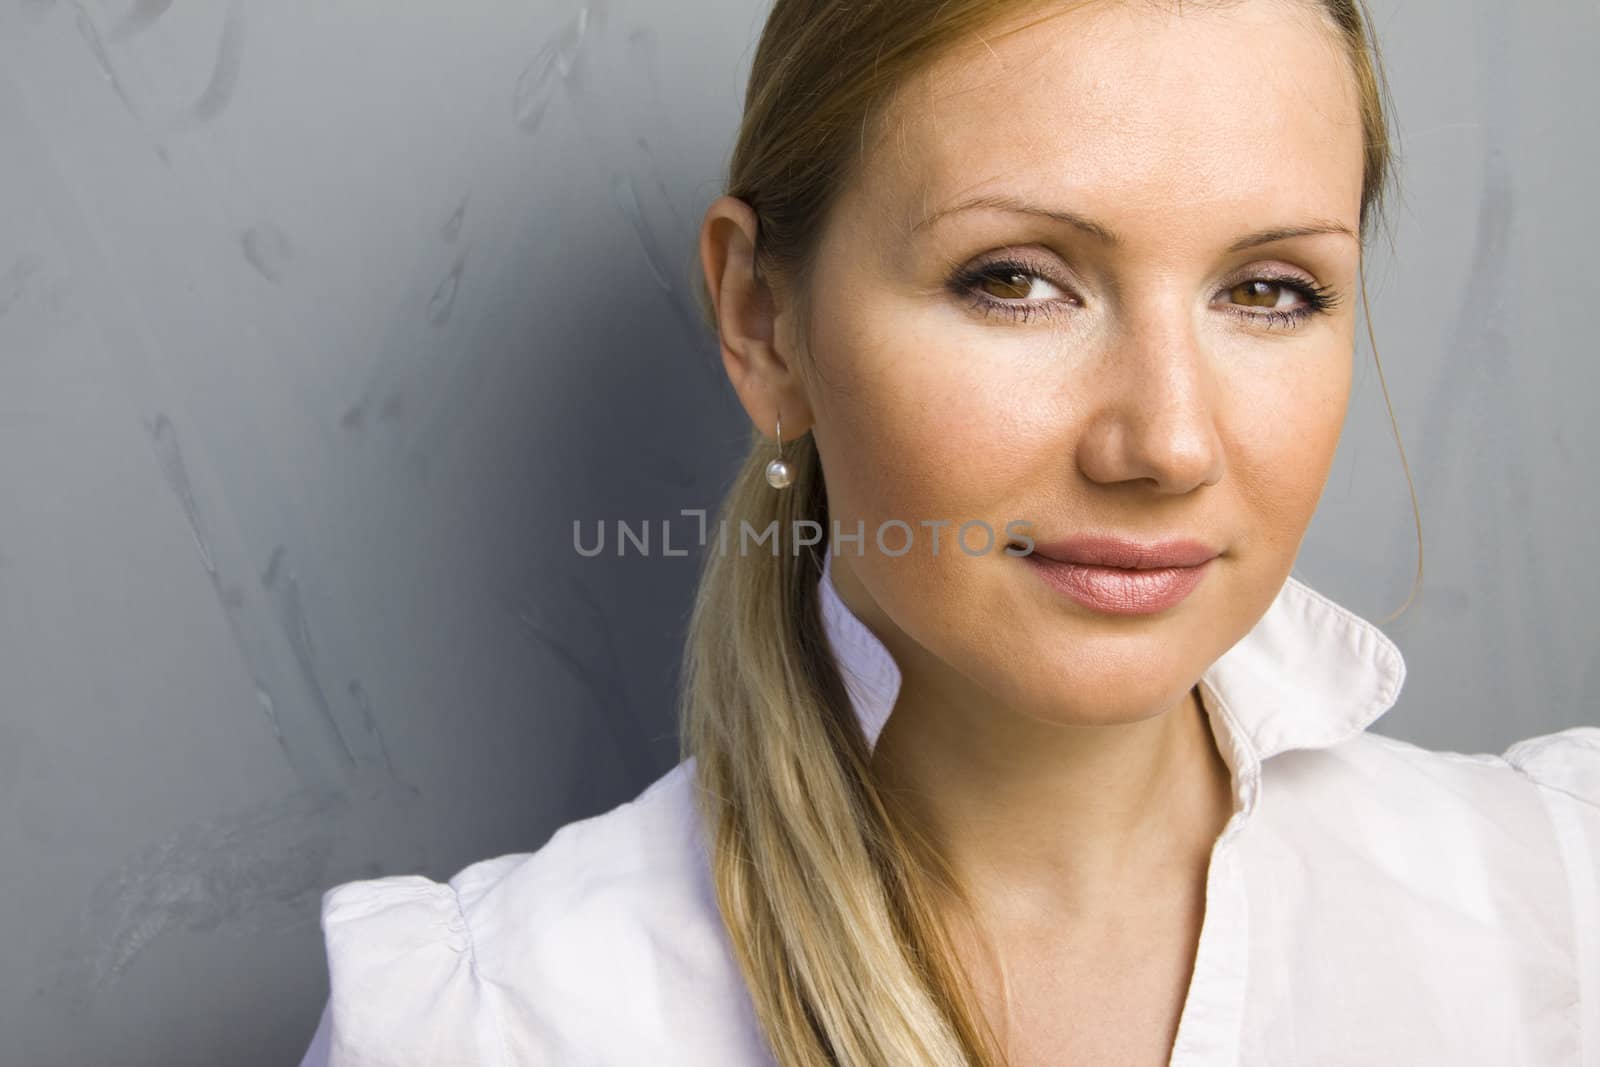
(402, 974)
(317, 1054)
(1566, 767)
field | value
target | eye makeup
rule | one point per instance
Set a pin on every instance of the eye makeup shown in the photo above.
(1008, 272)
(1019, 273)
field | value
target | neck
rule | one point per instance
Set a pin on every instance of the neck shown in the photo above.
(1043, 821)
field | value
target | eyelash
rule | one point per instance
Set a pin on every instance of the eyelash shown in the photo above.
(1319, 299)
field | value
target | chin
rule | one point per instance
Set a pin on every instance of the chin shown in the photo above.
(1088, 683)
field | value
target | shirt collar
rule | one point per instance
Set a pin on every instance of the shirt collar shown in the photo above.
(1309, 674)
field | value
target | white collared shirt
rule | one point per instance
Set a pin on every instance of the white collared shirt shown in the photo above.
(1369, 902)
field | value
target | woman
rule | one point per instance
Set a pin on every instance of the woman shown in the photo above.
(1079, 278)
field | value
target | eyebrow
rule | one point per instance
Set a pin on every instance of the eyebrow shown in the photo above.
(1108, 236)
(1002, 202)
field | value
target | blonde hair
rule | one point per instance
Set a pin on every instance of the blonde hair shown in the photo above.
(826, 890)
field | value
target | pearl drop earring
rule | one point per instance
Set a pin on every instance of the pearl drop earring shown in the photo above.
(779, 473)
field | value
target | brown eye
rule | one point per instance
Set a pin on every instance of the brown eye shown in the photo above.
(1260, 293)
(1007, 284)
(1011, 289)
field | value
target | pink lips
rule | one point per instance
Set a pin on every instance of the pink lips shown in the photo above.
(1120, 576)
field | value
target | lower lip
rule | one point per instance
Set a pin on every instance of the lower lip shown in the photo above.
(1118, 591)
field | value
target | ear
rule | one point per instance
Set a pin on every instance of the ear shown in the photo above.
(752, 322)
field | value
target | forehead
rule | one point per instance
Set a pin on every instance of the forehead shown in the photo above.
(1133, 110)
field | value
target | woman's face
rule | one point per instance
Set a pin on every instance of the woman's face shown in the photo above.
(1167, 356)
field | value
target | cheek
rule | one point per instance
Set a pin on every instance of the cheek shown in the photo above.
(912, 427)
(1281, 445)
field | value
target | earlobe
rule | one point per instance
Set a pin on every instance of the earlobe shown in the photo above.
(747, 311)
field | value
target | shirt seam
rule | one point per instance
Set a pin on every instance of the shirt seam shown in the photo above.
(1347, 618)
(1569, 841)
(1409, 748)
(1393, 669)
(1524, 752)
(1242, 887)
(489, 993)
(1250, 775)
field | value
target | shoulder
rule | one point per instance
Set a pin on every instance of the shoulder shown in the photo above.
(1534, 806)
(1565, 762)
(1565, 766)
(527, 957)
(1560, 768)
(1487, 862)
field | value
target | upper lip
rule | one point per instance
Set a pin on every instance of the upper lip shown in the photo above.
(1127, 552)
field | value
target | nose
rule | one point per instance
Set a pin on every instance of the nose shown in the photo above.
(1155, 417)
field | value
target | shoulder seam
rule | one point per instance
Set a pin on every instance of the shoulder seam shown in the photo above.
(1554, 788)
(1578, 866)
(1518, 756)
(477, 976)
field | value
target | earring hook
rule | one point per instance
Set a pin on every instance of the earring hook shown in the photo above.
(779, 474)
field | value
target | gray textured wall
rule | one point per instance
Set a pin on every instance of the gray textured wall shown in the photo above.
(320, 322)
